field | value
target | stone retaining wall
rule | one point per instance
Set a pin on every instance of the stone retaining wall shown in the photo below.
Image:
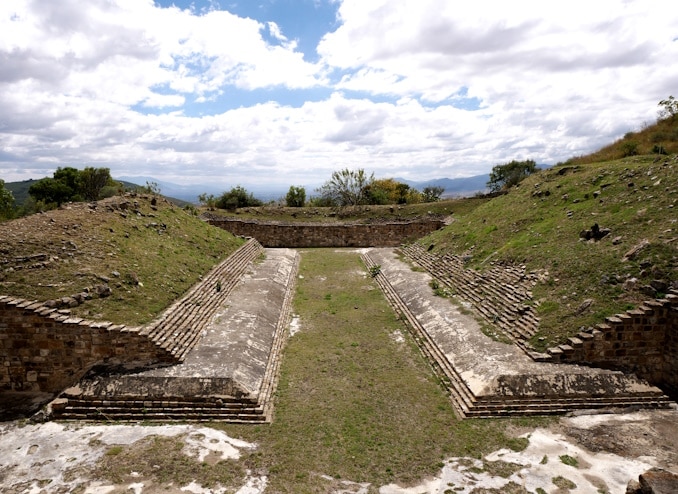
(502, 295)
(642, 340)
(293, 235)
(45, 349)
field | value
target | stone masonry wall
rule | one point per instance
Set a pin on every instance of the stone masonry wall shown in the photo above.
(642, 340)
(43, 349)
(46, 349)
(293, 235)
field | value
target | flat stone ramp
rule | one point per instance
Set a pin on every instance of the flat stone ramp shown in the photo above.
(489, 378)
(229, 374)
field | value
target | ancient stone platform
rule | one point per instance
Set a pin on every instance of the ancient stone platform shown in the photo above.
(230, 373)
(488, 378)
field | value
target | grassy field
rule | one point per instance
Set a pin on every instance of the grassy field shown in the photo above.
(538, 224)
(356, 399)
(148, 254)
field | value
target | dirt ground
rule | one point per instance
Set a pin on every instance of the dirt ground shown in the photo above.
(609, 450)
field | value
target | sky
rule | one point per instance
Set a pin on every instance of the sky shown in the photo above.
(284, 92)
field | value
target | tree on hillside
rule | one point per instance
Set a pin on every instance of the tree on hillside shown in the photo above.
(6, 201)
(669, 108)
(70, 177)
(71, 184)
(432, 193)
(93, 180)
(208, 200)
(51, 191)
(237, 197)
(347, 188)
(505, 176)
(296, 197)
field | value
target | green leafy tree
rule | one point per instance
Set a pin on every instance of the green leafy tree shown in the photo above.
(669, 108)
(208, 200)
(51, 191)
(6, 201)
(296, 197)
(71, 178)
(237, 197)
(503, 177)
(92, 182)
(347, 188)
(432, 193)
(71, 184)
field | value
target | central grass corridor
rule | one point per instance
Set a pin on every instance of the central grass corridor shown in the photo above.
(356, 399)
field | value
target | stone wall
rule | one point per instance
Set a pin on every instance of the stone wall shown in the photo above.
(292, 235)
(44, 349)
(642, 340)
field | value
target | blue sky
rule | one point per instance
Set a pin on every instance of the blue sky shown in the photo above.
(284, 92)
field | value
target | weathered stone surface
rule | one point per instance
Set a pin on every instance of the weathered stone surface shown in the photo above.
(655, 481)
(329, 235)
(490, 378)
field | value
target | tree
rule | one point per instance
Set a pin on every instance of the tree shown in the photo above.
(71, 184)
(208, 200)
(70, 177)
(93, 180)
(669, 108)
(296, 197)
(432, 193)
(237, 197)
(512, 173)
(6, 201)
(347, 188)
(383, 191)
(50, 191)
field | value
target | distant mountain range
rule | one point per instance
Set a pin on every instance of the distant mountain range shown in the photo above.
(453, 187)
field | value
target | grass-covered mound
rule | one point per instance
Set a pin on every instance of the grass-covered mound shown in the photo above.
(543, 223)
(145, 249)
(358, 214)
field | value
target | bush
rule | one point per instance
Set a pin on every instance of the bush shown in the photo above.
(296, 197)
(237, 197)
(629, 148)
(505, 176)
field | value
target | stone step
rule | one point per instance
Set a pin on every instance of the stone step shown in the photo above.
(509, 400)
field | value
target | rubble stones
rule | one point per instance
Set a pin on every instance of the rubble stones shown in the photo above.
(654, 481)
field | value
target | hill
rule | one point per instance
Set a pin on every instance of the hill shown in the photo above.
(549, 223)
(146, 250)
(659, 139)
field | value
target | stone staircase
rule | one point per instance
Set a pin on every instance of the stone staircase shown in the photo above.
(531, 388)
(502, 295)
(179, 327)
(172, 394)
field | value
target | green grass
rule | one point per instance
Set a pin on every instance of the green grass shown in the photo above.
(164, 248)
(538, 224)
(352, 403)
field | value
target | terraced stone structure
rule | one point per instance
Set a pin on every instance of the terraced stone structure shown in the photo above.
(297, 235)
(157, 371)
(214, 354)
(488, 378)
(642, 341)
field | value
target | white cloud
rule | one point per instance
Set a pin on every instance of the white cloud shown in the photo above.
(546, 80)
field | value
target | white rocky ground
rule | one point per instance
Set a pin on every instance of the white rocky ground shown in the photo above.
(37, 458)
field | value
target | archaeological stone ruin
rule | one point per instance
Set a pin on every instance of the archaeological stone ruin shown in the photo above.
(214, 354)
